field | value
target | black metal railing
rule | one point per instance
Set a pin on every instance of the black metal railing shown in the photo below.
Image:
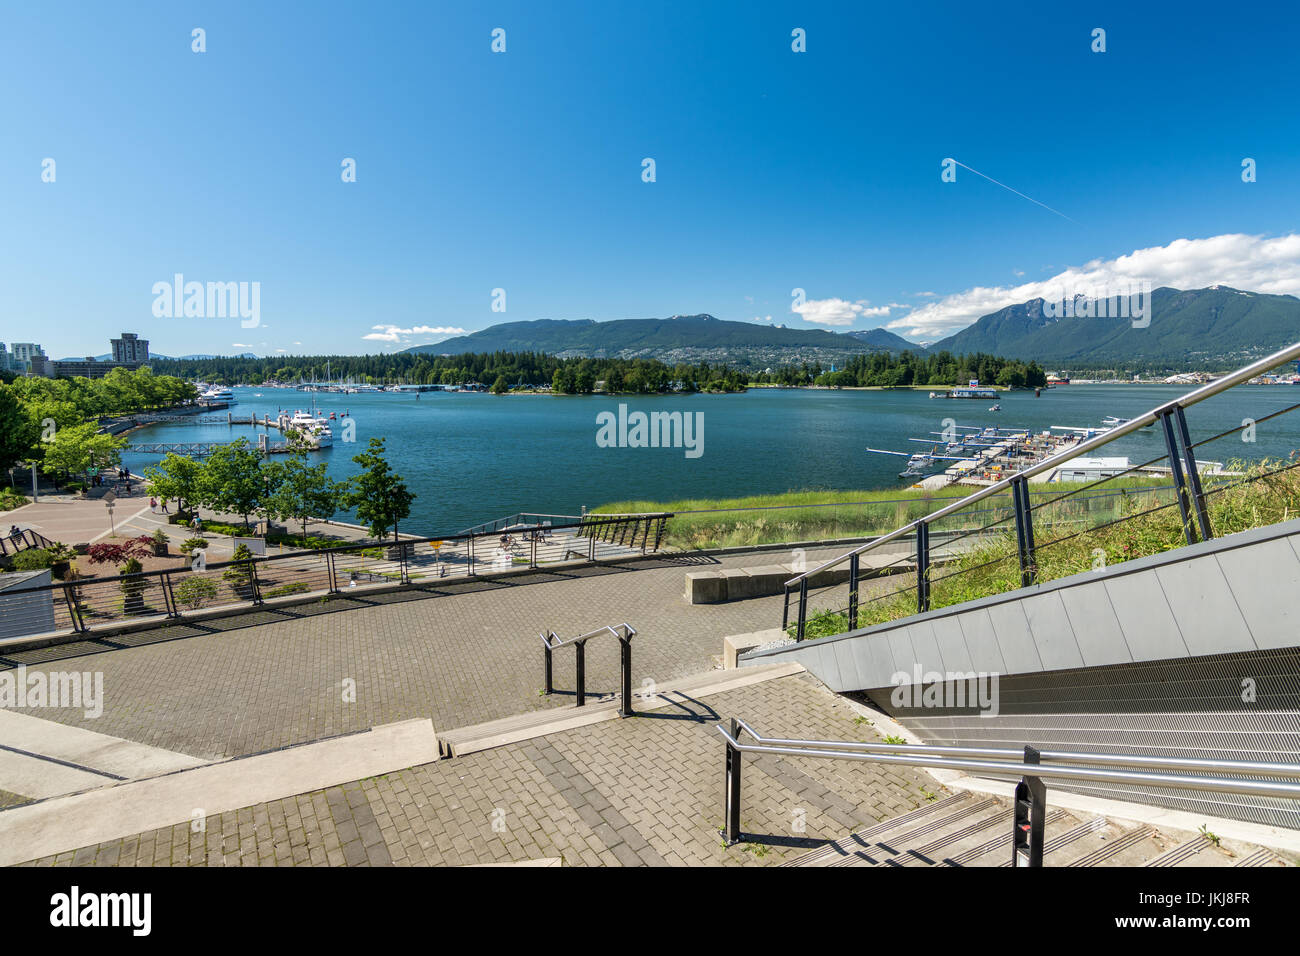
(82, 605)
(1031, 765)
(23, 539)
(551, 642)
(1006, 538)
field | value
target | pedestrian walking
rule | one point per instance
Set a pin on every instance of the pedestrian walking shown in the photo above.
(164, 506)
(153, 504)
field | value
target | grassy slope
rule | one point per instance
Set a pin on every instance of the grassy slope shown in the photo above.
(1270, 493)
(822, 515)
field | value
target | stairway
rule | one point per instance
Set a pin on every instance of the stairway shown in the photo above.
(967, 829)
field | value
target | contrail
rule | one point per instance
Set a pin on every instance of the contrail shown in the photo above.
(1016, 191)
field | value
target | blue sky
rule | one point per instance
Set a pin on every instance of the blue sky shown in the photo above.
(522, 170)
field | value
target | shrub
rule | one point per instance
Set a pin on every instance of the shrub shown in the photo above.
(126, 551)
(195, 592)
(297, 587)
(33, 559)
(132, 587)
(10, 499)
(240, 576)
(191, 543)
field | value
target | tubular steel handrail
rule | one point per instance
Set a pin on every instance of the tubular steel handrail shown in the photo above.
(1032, 767)
(1183, 468)
(623, 632)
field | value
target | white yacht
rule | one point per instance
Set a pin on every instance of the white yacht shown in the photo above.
(316, 428)
(216, 393)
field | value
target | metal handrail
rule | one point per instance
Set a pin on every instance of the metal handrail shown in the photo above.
(1033, 768)
(600, 630)
(551, 641)
(1244, 374)
(1133, 761)
(1259, 788)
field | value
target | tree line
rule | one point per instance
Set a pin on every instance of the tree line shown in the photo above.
(500, 370)
(907, 368)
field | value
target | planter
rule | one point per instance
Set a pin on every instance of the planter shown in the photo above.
(60, 569)
(160, 549)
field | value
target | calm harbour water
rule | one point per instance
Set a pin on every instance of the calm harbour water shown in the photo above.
(472, 457)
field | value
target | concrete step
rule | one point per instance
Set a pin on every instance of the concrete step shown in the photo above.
(863, 838)
(539, 723)
(991, 826)
(1125, 849)
(972, 830)
(35, 830)
(877, 852)
(1064, 839)
(1060, 831)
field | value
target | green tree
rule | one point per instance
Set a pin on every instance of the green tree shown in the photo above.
(17, 431)
(500, 386)
(379, 494)
(304, 492)
(232, 480)
(79, 449)
(176, 476)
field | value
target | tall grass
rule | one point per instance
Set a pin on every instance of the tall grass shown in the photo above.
(700, 523)
(1067, 542)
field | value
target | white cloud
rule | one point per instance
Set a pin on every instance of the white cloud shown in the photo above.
(837, 311)
(239, 345)
(762, 318)
(393, 333)
(1249, 263)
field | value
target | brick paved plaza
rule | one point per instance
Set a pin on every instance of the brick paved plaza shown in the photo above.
(643, 791)
(462, 654)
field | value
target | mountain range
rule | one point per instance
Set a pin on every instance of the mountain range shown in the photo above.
(681, 338)
(1212, 327)
(1215, 327)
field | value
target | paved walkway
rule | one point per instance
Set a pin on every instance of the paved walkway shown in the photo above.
(462, 653)
(642, 791)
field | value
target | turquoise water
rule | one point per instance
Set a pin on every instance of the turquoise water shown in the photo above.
(471, 457)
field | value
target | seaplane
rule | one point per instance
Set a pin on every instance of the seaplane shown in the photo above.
(922, 464)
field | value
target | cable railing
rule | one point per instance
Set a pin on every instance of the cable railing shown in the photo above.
(1014, 539)
(1033, 766)
(83, 605)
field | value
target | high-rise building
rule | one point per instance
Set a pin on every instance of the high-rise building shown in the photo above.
(21, 357)
(4, 358)
(130, 350)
